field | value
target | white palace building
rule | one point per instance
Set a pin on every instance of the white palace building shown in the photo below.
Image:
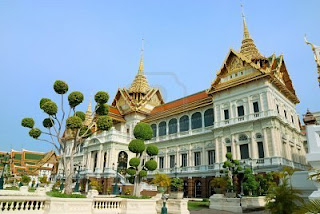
(249, 110)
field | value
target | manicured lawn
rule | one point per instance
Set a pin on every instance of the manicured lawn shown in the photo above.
(133, 197)
(198, 205)
(62, 195)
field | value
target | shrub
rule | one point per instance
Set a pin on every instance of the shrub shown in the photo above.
(134, 197)
(131, 171)
(161, 180)
(81, 115)
(35, 133)
(134, 162)
(104, 123)
(136, 146)
(151, 165)
(25, 179)
(101, 97)
(47, 123)
(74, 122)
(75, 98)
(60, 87)
(27, 122)
(103, 109)
(152, 150)
(143, 131)
(177, 184)
(63, 195)
(50, 108)
(143, 173)
(43, 101)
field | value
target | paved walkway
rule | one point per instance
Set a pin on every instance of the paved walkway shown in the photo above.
(211, 211)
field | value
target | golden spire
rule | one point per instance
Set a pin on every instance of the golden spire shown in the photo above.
(140, 83)
(88, 117)
(248, 48)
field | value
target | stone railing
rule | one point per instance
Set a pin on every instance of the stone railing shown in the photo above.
(107, 205)
(22, 204)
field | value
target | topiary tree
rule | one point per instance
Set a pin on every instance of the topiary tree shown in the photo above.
(138, 170)
(66, 134)
(250, 184)
(232, 169)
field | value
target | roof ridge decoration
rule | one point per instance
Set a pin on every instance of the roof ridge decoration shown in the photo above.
(140, 83)
(248, 48)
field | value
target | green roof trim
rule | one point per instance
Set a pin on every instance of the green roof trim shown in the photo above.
(31, 156)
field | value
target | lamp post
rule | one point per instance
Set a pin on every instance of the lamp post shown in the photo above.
(5, 162)
(76, 188)
(115, 187)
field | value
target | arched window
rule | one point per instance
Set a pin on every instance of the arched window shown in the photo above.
(208, 117)
(196, 120)
(227, 140)
(198, 189)
(173, 128)
(154, 130)
(184, 123)
(122, 162)
(243, 137)
(162, 128)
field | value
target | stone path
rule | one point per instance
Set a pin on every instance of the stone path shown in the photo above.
(211, 211)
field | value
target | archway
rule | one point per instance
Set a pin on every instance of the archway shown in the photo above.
(198, 187)
(122, 162)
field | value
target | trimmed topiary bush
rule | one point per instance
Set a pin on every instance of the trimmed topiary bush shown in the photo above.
(81, 115)
(143, 173)
(35, 133)
(84, 129)
(104, 123)
(143, 131)
(103, 109)
(151, 165)
(131, 171)
(43, 101)
(50, 108)
(74, 122)
(134, 162)
(27, 122)
(152, 150)
(60, 87)
(75, 98)
(47, 123)
(101, 97)
(136, 146)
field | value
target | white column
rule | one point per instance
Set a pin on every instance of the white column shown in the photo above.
(254, 147)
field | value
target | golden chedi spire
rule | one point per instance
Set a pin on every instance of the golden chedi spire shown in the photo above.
(248, 48)
(140, 83)
(88, 117)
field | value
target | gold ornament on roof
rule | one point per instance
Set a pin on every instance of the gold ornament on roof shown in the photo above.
(140, 83)
(316, 53)
(248, 48)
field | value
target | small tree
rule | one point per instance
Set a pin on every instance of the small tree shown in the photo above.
(25, 179)
(66, 134)
(250, 184)
(138, 170)
(162, 180)
(232, 168)
(177, 184)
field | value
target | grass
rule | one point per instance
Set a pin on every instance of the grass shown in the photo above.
(134, 197)
(198, 205)
(12, 188)
(63, 195)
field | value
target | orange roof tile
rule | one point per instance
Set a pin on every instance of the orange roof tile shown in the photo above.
(182, 101)
(114, 110)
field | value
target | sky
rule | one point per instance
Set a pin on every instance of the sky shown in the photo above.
(95, 45)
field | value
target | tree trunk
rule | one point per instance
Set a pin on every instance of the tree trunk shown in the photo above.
(136, 189)
(68, 170)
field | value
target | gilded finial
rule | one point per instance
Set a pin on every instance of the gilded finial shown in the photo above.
(248, 48)
(140, 71)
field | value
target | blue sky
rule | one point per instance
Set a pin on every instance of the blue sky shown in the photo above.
(95, 45)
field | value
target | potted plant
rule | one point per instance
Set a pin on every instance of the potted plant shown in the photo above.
(177, 188)
(94, 184)
(43, 181)
(25, 180)
(162, 181)
(128, 192)
(219, 184)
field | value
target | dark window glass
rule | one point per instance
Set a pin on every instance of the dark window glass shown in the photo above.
(95, 161)
(240, 111)
(197, 160)
(244, 151)
(105, 160)
(260, 149)
(243, 137)
(226, 114)
(255, 107)
(162, 128)
(172, 161)
(184, 123)
(278, 109)
(173, 128)
(184, 160)
(161, 162)
(228, 149)
(208, 117)
(285, 113)
(196, 120)
(292, 119)
(154, 129)
(211, 158)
